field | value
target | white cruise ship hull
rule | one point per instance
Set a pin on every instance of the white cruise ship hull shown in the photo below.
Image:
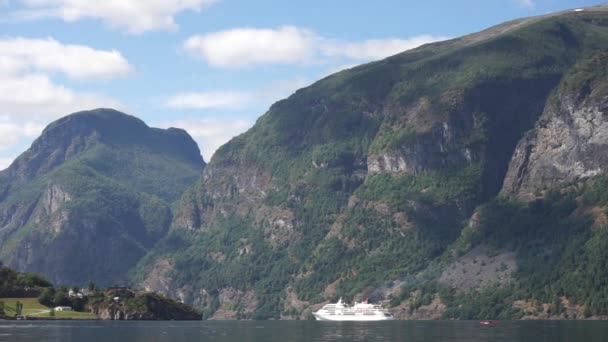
(356, 318)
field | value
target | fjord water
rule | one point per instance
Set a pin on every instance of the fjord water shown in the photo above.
(288, 331)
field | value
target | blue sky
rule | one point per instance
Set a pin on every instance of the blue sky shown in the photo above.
(211, 67)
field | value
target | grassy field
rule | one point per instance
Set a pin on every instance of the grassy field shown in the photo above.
(32, 308)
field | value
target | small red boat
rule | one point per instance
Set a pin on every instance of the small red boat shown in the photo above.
(489, 323)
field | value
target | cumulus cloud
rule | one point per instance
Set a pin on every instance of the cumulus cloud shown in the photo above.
(236, 99)
(5, 162)
(244, 47)
(26, 68)
(30, 98)
(526, 3)
(210, 132)
(29, 102)
(250, 46)
(133, 16)
(374, 49)
(77, 62)
(36, 95)
(9, 133)
(209, 100)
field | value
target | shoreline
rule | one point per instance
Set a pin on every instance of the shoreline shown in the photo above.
(50, 319)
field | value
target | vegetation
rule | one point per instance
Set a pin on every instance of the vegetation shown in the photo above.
(136, 305)
(17, 290)
(108, 203)
(377, 169)
(560, 253)
(15, 284)
(32, 308)
(452, 114)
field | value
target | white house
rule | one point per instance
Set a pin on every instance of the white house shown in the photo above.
(63, 308)
(79, 294)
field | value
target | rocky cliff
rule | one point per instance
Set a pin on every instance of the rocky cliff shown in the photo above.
(374, 181)
(569, 142)
(92, 195)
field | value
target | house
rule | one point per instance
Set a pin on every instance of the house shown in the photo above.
(63, 308)
(79, 294)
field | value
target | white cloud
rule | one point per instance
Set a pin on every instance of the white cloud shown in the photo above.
(134, 16)
(35, 95)
(338, 68)
(375, 49)
(5, 162)
(48, 55)
(281, 89)
(526, 3)
(211, 132)
(29, 102)
(30, 98)
(9, 133)
(236, 99)
(209, 100)
(244, 47)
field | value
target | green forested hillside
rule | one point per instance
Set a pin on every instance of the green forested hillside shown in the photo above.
(462, 179)
(92, 196)
(367, 184)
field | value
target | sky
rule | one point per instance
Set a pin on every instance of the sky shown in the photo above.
(211, 67)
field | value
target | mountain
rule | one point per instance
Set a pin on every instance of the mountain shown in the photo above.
(461, 179)
(92, 195)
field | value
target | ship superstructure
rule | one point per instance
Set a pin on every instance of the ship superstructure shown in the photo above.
(341, 311)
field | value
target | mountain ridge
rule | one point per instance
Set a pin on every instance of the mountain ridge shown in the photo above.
(462, 180)
(362, 183)
(92, 195)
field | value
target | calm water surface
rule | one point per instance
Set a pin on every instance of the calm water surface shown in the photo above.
(287, 331)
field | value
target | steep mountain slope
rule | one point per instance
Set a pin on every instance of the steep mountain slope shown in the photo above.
(366, 183)
(92, 195)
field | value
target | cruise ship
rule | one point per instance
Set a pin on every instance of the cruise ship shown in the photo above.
(358, 312)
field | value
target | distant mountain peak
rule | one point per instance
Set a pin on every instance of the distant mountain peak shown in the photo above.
(92, 194)
(69, 136)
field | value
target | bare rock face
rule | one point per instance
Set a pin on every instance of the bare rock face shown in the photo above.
(478, 268)
(235, 303)
(293, 305)
(431, 150)
(54, 198)
(433, 311)
(568, 144)
(158, 279)
(224, 190)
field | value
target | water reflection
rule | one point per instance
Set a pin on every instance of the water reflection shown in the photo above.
(286, 331)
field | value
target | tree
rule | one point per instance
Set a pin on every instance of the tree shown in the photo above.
(91, 286)
(18, 308)
(587, 312)
(34, 279)
(78, 304)
(61, 297)
(558, 307)
(47, 297)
